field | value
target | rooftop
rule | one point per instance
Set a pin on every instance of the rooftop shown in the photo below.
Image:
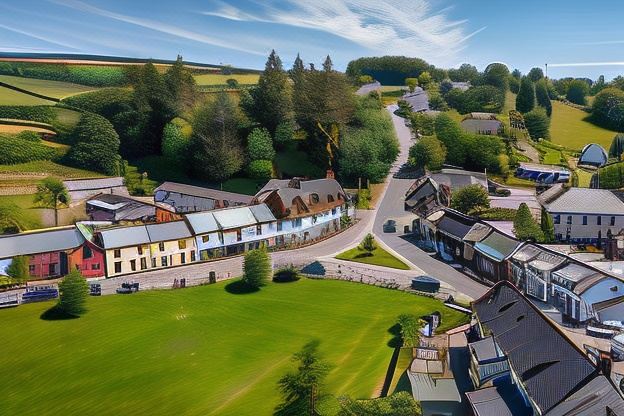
(586, 201)
(40, 241)
(497, 246)
(201, 192)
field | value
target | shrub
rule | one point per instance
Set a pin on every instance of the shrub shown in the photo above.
(18, 269)
(410, 329)
(537, 124)
(284, 133)
(617, 146)
(577, 91)
(608, 108)
(260, 145)
(30, 136)
(525, 226)
(397, 404)
(174, 144)
(73, 292)
(93, 75)
(286, 274)
(106, 102)
(368, 244)
(470, 198)
(256, 268)
(496, 214)
(40, 113)
(260, 169)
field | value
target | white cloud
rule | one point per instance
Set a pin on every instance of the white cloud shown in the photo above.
(578, 64)
(39, 37)
(391, 27)
(155, 25)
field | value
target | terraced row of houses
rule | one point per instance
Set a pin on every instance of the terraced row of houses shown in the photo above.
(283, 213)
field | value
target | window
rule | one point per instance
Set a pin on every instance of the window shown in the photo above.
(117, 253)
(154, 262)
(133, 265)
(140, 250)
(339, 197)
(279, 225)
(31, 269)
(183, 258)
(557, 219)
(181, 244)
(314, 198)
(334, 211)
(226, 203)
(117, 267)
(239, 235)
(205, 238)
(52, 268)
(598, 220)
(95, 266)
(163, 261)
(143, 263)
(161, 246)
(569, 219)
(612, 221)
(584, 219)
(87, 253)
(330, 198)
(192, 255)
(258, 229)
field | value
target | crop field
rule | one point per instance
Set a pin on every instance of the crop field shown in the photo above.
(11, 97)
(14, 129)
(199, 351)
(55, 89)
(220, 79)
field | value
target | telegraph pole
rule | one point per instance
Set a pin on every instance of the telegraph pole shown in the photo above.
(546, 65)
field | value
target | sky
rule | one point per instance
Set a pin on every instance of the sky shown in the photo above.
(575, 38)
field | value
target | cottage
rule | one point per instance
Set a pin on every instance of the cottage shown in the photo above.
(482, 123)
(174, 198)
(119, 209)
(487, 362)
(593, 155)
(491, 253)
(81, 189)
(452, 228)
(456, 179)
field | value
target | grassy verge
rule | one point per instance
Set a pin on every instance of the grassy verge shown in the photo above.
(379, 257)
(200, 350)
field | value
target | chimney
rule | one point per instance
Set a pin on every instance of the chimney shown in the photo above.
(330, 174)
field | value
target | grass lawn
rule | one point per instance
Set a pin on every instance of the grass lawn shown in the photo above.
(66, 117)
(569, 127)
(403, 363)
(49, 168)
(11, 97)
(55, 89)
(199, 351)
(21, 210)
(380, 257)
(512, 181)
(220, 79)
(584, 178)
(245, 186)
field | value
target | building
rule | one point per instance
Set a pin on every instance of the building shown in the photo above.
(593, 155)
(456, 179)
(482, 123)
(81, 189)
(531, 269)
(426, 196)
(487, 362)
(552, 376)
(451, 230)
(174, 198)
(418, 100)
(582, 215)
(543, 174)
(491, 254)
(119, 209)
(464, 86)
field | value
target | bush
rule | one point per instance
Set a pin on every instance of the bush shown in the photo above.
(427, 152)
(106, 102)
(260, 145)
(470, 198)
(260, 169)
(29, 136)
(14, 150)
(73, 292)
(537, 124)
(286, 274)
(484, 98)
(608, 108)
(284, 134)
(577, 92)
(496, 214)
(92, 75)
(39, 113)
(423, 124)
(174, 144)
(368, 244)
(410, 329)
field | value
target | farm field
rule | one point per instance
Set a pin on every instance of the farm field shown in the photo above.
(199, 350)
(11, 97)
(220, 79)
(55, 89)
(15, 129)
(569, 128)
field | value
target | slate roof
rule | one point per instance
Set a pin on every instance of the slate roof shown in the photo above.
(591, 400)
(202, 222)
(488, 402)
(262, 213)
(497, 246)
(124, 237)
(42, 241)
(167, 231)
(478, 232)
(526, 253)
(548, 365)
(478, 126)
(455, 224)
(368, 88)
(484, 349)
(201, 192)
(457, 178)
(91, 184)
(234, 217)
(575, 272)
(586, 201)
(418, 100)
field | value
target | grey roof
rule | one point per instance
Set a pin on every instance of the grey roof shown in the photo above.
(575, 272)
(551, 194)
(591, 400)
(202, 222)
(124, 237)
(262, 213)
(457, 178)
(501, 400)
(587, 201)
(478, 126)
(93, 184)
(484, 349)
(547, 261)
(368, 88)
(290, 189)
(166, 231)
(418, 100)
(497, 246)
(201, 192)
(42, 241)
(478, 232)
(548, 365)
(455, 224)
(527, 253)
(460, 85)
(234, 217)
(593, 154)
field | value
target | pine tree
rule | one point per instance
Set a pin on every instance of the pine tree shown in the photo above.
(548, 227)
(541, 95)
(525, 101)
(256, 268)
(525, 226)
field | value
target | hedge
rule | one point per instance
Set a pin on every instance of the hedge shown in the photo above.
(39, 113)
(92, 75)
(14, 149)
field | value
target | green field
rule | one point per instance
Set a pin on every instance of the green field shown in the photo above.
(380, 257)
(21, 211)
(220, 79)
(199, 351)
(11, 97)
(55, 89)
(49, 168)
(569, 127)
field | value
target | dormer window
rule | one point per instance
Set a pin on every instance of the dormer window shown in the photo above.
(330, 198)
(314, 198)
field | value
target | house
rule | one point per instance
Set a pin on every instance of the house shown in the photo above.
(89, 259)
(174, 198)
(549, 372)
(451, 230)
(477, 233)
(81, 189)
(531, 268)
(52, 252)
(482, 123)
(491, 254)
(418, 100)
(543, 174)
(593, 155)
(487, 362)
(426, 196)
(583, 215)
(119, 209)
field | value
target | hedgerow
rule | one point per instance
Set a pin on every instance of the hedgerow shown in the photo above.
(39, 113)
(14, 149)
(92, 75)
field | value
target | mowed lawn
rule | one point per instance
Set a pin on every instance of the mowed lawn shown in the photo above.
(55, 89)
(199, 351)
(569, 128)
(220, 79)
(12, 97)
(379, 257)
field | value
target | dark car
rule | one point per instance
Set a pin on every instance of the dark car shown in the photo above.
(389, 226)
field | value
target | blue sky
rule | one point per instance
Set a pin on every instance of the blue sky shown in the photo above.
(575, 38)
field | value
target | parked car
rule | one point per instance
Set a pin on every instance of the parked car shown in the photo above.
(389, 226)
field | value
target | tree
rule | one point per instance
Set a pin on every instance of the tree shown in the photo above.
(364, 79)
(231, 83)
(95, 145)
(598, 86)
(423, 124)
(577, 92)
(428, 152)
(424, 80)
(516, 74)
(256, 268)
(470, 198)
(608, 108)
(397, 404)
(541, 96)
(514, 84)
(52, 194)
(436, 101)
(260, 169)
(465, 73)
(547, 226)
(525, 226)
(537, 124)
(175, 144)
(284, 134)
(215, 146)
(411, 83)
(525, 100)
(410, 329)
(260, 145)
(18, 269)
(451, 135)
(181, 86)
(483, 98)
(368, 244)
(73, 292)
(535, 74)
(301, 389)
(617, 146)
(445, 87)
(496, 74)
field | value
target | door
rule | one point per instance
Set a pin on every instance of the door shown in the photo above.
(63, 263)
(212, 277)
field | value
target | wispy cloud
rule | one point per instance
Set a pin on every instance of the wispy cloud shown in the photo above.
(408, 27)
(156, 26)
(38, 37)
(576, 64)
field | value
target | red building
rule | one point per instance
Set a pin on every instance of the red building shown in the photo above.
(88, 259)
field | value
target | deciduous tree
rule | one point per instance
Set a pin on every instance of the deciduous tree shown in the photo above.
(470, 198)
(260, 145)
(577, 92)
(427, 152)
(18, 269)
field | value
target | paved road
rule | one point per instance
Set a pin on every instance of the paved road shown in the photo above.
(391, 207)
